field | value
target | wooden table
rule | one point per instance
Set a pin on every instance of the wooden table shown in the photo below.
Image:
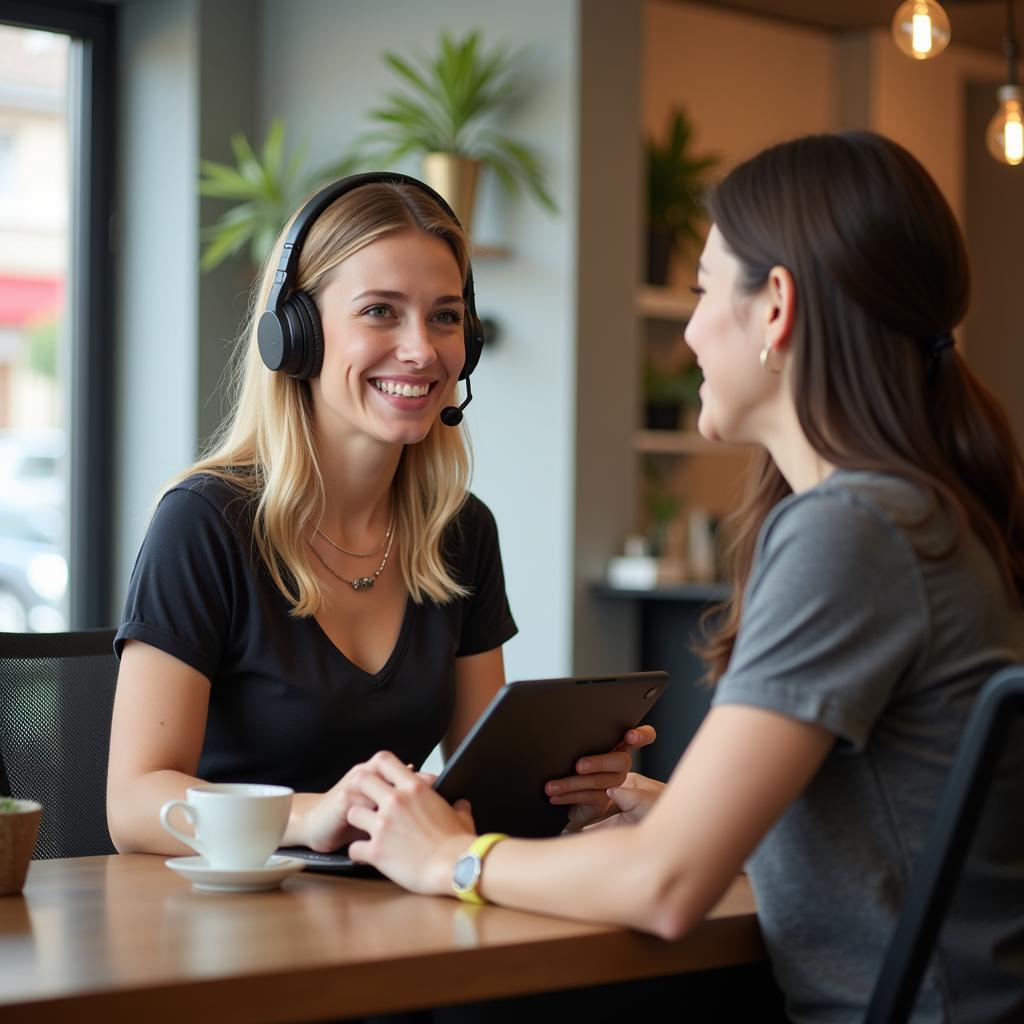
(123, 938)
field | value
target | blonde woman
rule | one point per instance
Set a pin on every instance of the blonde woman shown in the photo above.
(322, 585)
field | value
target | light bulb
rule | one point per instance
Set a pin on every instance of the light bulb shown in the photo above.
(1005, 135)
(920, 29)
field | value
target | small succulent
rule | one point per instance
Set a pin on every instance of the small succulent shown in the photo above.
(8, 805)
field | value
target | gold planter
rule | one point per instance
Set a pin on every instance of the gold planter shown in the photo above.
(455, 178)
(18, 832)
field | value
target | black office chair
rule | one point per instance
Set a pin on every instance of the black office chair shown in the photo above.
(938, 870)
(56, 700)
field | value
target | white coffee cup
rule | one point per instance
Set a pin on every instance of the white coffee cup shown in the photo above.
(237, 824)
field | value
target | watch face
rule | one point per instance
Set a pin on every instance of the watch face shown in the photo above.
(465, 873)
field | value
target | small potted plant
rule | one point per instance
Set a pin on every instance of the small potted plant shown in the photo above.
(676, 182)
(445, 116)
(19, 828)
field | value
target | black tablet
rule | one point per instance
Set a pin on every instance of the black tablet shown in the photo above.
(532, 731)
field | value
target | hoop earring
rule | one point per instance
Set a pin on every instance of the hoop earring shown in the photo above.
(766, 353)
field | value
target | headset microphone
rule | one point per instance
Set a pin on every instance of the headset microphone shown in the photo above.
(451, 415)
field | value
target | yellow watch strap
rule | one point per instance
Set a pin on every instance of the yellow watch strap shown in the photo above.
(479, 848)
(483, 843)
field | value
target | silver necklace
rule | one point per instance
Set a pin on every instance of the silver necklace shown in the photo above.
(360, 582)
(368, 554)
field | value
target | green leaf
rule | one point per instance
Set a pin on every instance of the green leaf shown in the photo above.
(273, 150)
(519, 161)
(228, 239)
(264, 187)
(221, 181)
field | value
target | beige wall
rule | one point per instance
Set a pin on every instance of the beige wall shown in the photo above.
(748, 82)
(922, 104)
(745, 82)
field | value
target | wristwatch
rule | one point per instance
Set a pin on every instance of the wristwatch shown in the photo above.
(466, 873)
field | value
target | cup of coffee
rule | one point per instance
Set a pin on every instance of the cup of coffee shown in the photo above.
(237, 825)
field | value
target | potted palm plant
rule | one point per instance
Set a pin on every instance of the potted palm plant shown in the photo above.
(263, 188)
(19, 827)
(676, 182)
(445, 115)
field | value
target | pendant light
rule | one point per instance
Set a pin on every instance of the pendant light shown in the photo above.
(1005, 135)
(920, 28)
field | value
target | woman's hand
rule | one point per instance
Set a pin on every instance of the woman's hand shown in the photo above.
(324, 825)
(586, 793)
(414, 835)
(631, 801)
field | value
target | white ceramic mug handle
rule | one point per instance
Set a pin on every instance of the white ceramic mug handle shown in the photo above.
(189, 811)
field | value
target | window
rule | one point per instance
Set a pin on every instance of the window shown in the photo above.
(56, 393)
(6, 162)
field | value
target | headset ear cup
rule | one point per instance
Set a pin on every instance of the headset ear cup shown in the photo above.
(309, 350)
(474, 339)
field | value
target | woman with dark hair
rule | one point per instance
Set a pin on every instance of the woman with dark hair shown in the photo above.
(878, 578)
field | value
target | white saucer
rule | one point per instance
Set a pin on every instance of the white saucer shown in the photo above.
(208, 879)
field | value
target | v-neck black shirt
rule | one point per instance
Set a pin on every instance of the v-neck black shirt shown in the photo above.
(286, 706)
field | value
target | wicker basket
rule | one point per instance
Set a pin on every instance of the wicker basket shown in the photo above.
(18, 832)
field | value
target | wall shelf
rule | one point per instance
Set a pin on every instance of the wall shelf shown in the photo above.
(681, 442)
(659, 303)
(489, 252)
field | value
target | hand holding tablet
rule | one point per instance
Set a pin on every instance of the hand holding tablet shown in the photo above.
(532, 732)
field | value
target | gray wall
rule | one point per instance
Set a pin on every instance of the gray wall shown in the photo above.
(187, 81)
(156, 411)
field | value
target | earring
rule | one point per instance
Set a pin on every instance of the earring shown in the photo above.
(766, 353)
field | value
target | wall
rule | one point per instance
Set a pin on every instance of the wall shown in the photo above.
(608, 255)
(746, 82)
(228, 35)
(186, 83)
(156, 274)
(994, 213)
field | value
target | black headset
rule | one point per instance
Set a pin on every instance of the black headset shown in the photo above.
(289, 332)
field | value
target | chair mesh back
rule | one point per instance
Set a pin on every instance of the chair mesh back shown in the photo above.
(56, 699)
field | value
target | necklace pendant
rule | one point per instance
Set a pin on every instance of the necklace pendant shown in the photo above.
(362, 583)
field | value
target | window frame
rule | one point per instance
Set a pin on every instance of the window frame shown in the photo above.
(92, 127)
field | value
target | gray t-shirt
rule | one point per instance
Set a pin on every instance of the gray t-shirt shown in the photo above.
(848, 623)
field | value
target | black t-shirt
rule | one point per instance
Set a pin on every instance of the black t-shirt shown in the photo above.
(286, 706)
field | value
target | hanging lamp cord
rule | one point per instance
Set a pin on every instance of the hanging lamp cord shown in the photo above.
(1010, 47)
